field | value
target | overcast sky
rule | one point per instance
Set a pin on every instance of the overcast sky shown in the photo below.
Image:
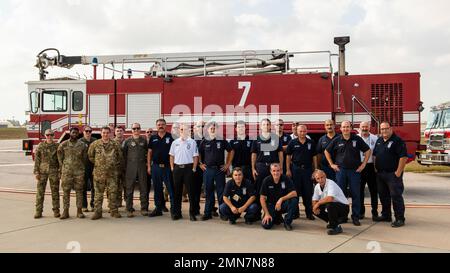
(386, 36)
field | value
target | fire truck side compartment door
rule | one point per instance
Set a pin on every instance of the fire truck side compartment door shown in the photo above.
(144, 109)
(98, 110)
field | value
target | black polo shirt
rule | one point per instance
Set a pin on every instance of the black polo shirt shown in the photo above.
(239, 194)
(198, 141)
(242, 152)
(213, 151)
(285, 139)
(346, 153)
(274, 191)
(267, 154)
(388, 153)
(322, 145)
(302, 154)
(160, 148)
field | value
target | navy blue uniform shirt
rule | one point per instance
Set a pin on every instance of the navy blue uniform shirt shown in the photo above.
(388, 153)
(214, 152)
(346, 153)
(302, 154)
(285, 139)
(269, 155)
(274, 191)
(239, 195)
(322, 145)
(242, 152)
(160, 148)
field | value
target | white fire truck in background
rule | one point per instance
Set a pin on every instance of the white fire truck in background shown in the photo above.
(437, 137)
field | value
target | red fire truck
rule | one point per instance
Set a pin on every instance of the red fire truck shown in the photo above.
(225, 86)
(437, 137)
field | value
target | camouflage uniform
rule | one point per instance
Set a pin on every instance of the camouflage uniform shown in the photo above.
(107, 158)
(47, 167)
(72, 156)
(135, 155)
(120, 177)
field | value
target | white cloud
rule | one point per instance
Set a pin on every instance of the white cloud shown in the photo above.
(252, 20)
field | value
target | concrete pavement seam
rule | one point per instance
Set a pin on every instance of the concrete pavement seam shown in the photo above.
(403, 244)
(351, 238)
(21, 229)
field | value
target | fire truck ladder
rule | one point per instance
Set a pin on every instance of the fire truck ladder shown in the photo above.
(185, 64)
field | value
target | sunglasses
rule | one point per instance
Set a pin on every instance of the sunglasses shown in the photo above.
(88, 131)
(137, 128)
(49, 135)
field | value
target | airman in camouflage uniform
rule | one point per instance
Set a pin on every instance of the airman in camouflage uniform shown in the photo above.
(46, 167)
(106, 155)
(135, 151)
(121, 177)
(72, 156)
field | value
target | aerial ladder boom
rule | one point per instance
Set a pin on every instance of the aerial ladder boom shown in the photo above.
(175, 64)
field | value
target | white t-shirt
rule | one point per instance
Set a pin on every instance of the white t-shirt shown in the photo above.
(330, 189)
(183, 151)
(371, 141)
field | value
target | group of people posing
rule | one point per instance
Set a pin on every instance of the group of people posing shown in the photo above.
(268, 175)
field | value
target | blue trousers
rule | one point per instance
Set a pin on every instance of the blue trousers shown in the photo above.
(263, 171)
(159, 176)
(331, 174)
(213, 176)
(303, 186)
(251, 213)
(390, 189)
(350, 177)
(286, 207)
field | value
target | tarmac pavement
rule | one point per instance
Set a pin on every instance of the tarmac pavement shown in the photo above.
(427, 224)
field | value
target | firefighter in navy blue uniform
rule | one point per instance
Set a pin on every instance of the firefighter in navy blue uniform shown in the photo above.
(390, 158)
(198, 175)
(343, 154)
(214, 167)
(158, 166)
(278, 196)
(239, 196)
(242, 146)
(322, 145)
(284, 138)
(301, 152)
(265, 150)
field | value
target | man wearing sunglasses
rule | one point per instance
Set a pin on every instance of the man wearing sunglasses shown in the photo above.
(88, 139)
(72, 161)
(135, 151)
(46, 167)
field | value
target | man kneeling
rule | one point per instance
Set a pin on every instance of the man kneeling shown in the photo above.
(238, 197)
(278, 196)
(329, 202)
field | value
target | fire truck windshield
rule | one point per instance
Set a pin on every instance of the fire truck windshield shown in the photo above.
(446, 118)
(434, 118)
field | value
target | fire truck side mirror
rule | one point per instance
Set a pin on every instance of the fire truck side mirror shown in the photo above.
(420, 108)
